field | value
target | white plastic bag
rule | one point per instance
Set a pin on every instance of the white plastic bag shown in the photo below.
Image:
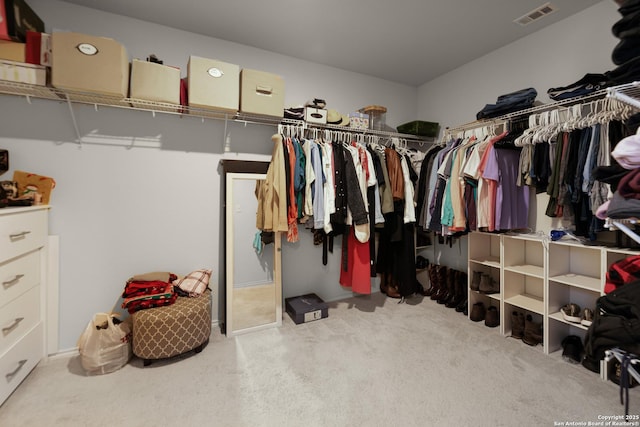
(105, 346)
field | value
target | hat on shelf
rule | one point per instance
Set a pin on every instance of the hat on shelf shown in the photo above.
(316, 103)
(335, 118)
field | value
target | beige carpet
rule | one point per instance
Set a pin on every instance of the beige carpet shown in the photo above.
(372, 362)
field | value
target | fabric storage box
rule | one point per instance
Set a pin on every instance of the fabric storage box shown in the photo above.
(154, 82)
(420, 128)
(91, 64)
(315, 115)
(12, 51)
(213, 84)
(261, 93)
(306, 308)
(359, 121)
(16, 17)
(23, 73)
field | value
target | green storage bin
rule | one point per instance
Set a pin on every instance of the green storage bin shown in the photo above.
(420, 128)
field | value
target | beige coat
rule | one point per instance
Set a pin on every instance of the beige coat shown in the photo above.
(272, 192)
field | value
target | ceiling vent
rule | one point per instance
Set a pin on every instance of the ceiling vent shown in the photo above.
(536, 14)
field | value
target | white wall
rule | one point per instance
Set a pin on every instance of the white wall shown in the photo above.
(143, 193)
(555, 56)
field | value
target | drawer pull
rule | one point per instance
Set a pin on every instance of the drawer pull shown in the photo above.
(13, 281)
(11, 327)
(19, 235)
(10, 375)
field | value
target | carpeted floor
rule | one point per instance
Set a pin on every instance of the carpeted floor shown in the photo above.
(372, 362)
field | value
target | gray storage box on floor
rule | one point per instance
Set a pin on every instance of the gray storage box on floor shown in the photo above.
(306, 308)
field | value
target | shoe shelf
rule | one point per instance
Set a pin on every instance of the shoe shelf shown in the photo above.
(538, 277)
(484, 249)
(524, 256)
(527, 302)
(576, 265)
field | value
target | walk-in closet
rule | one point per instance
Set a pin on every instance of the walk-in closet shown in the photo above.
(326, 214)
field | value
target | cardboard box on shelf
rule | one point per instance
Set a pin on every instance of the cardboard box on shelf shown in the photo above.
(21, 72)
(12, 51)
(315, 115)
(261, 93)
(213, 84)
(91, 64)
(154, 82)
(358, 120)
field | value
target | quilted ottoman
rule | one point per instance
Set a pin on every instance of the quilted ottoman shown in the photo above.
(168, 331)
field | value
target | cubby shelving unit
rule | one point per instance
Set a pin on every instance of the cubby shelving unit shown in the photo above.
(539, 276)
(485, 257)
(575, 276)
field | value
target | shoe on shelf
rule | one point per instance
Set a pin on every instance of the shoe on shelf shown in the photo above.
(488, 285)
(475, 281)
(492, 318)
(517, 324)
(477, 312)
(571, 313)
(572, 349)
(532, 331)
(587, 317)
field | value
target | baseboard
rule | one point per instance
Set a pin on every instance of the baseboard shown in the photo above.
(71, 352)
(64, 354)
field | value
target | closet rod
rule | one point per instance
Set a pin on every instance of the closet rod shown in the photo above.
(355, 131)
(536, 109)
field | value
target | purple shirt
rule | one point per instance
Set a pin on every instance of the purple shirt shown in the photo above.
(512, 202)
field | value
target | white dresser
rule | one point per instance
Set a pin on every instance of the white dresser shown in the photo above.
(23, 238)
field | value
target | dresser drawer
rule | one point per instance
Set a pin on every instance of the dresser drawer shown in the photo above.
(21, 232)
(19, 317)
(18, 276)
(16, 363)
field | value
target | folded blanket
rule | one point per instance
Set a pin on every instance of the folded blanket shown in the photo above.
(621, 208)
(163, 276)
(629, 186)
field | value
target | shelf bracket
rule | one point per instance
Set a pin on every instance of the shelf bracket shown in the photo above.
(626, 230)
(28, 99)
(75, 123)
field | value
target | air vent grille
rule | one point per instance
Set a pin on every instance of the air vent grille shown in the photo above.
(536, 14)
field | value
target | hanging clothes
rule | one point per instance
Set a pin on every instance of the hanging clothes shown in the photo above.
(271, 193)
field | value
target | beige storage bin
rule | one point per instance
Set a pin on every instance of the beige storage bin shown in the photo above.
(12, 51)
(151, 81)
(213, 84)
(23, 73)
(89, 64)
(261, 93)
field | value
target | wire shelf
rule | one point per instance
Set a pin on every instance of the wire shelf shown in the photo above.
(627, 93)
(100, 100)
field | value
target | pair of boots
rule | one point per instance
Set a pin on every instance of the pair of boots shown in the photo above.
(448, 286)
(484, 283)
(524, 328)
(437, 278)
(388, 287)
(490, 315)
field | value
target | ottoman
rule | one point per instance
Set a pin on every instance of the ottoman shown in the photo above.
(168, 331)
